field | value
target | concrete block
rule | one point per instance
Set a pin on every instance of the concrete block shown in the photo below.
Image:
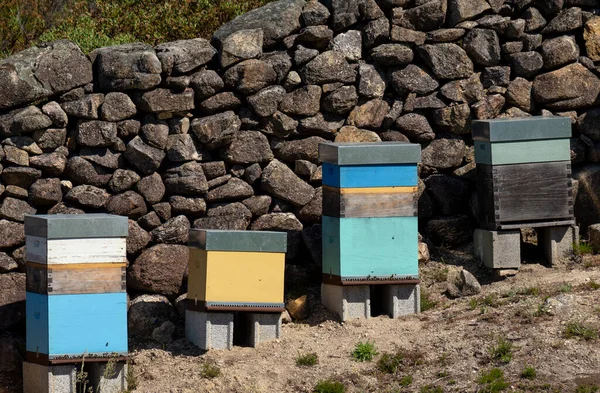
(349, 302)
(498, 249)
(557, 243)
(49, 379)
(209, 330)
(399, 300)
(107, 377)
(262, 327)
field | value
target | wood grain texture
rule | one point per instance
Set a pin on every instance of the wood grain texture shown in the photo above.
(363, 247)
(63, 251)
(522, 152)
(361, 176)
(510, 194)
(74, 325)
(76, 278)
(370, 202)
(236, 277)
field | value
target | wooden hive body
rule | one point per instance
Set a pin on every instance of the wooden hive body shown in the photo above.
(369, 222)
(236, 270)
(524, 172)
(76, 302)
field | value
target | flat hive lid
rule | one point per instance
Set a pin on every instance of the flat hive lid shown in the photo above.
(249, 241)
(76, 226)
(521, 129)
(347, 153)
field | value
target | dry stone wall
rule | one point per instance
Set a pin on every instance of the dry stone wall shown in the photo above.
(194, 134)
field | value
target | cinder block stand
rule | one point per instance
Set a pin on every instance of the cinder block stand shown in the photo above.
(107, 377)
(498, 249)
(347, 301)
(209, 330)
(51, 379)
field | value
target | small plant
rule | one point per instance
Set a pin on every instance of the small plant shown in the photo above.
(528, 373)
(389, 363)
(502, 351)
(593, 285)
(529, 291)
(577, 329)
(492, 381)
(441, 274)
(364, 351)
(426, 302)
(329, 387)
(307, 360)
(406, 380)
(582, 248)
(210, 370)
(587, 389)
(431, 389)
(566, 288)
(443, 359)
(473, 303)
(131, 379)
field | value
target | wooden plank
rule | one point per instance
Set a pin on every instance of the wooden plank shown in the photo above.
(76, 278)
(236, 277)
(521, 129)
(62, 251)
(370, 247)
(227, 240)
(362, 176)
(370, 202)
(77, 325)
(76, 226)
(522, 152)
(346, 153)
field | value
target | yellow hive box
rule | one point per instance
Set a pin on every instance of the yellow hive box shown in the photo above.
(236, 270)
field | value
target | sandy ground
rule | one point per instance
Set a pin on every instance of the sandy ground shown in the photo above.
(447, 346)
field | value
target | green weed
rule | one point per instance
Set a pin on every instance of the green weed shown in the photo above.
(528, 373)
(431, 389)
(389, 363)
(307, 360)
(502, 351)
(364, 351)
(406, 380)
(593, 285)
(210, 370)
(582, 248)
(587, 389)
(566, 288)
(492, 381)
(578, 329)
(426, 302)
(529, 291)
(329, 387)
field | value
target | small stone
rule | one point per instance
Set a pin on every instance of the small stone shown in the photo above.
(217, 130)
(137, 238)
(413, 79)
(559, 51)
(241, 45)
(15, 209)
(567, 20)
(186, 179)
(353, 134)
(349, 44)
(328, 67)
(234, 189)
(280, 181)
(145, 158)
(415, 127)
(206, 83)
(56, 114)
(129, 204)
(390, 55)
(84, 108)
(447, 61)
(117, 107)
(248, 147)
(192, 207)
(122, 180)
(444, 153)
(220, 102)
(341, 101)
(174, 231)
(250, 76)
(88, 196)
(495, 76)
(304, 101)
(483, 46)
(265, 102)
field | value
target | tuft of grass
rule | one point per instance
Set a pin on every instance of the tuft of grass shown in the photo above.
(502, 351)
(492, 381)
(578, 329)
(593, 285)
(431, 389)
(210, 370)
(582, 248)
(131, 379)
(528, 373)
(406, 380)
(587, 389)
(307, 360)
(529, 291)
(426, 302)
(390, 363)
(441, 274)
(566, 288)
(364, 351)
(329, 387)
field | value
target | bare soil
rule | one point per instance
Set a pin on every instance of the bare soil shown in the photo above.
(448, 346)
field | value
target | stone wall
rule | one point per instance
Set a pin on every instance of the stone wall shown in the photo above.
(225, 135)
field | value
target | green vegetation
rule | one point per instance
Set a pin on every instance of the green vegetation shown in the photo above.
(528, 373)
(210, 370)
(364, 351)
(582, 248)
(578, 329)
(307, 360)
(389, 363)
(406, 380)
(426, 302)
(492, 381)
(566, 288)
(110, 22)
(502, 351)
(131, 379)
(593, 285)
(587, 389)
(529, 291)
(431, 389)
(329, 387)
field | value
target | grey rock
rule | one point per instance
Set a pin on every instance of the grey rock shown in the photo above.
(413, 79)
(16, 192)
(252, 173)
(393, 114)
(369, 115)
(235, 209)
(341, 101)
(567, 20)
(248, 147)
(15, 209)
(303, 55)
(146, 313)
(182, 148)
(81, 171)
(16, 156)
(163, 209)
(531, 42)
(390, 55)
(408, 36)
(489, 108)
(328, 67)
(146, 159)
(281, 63)
(166, 100)
(314, 13)
(164, 333)
(495, 76)
(265, 102)
(250, 76)
(304, 168)
(234, 189)
(512, 47)
(88, 196)
(7, 264)
(241, 45)
(184, 55)
(45, 192)
(447, 61)
(84, 108)
(443, 35)
(56, 114)
(311, 212)
(315, 36)
(179, 125)
(214, 169)
(301, 149)
(282, 222)
(98, 155)
(52, 164)
(61, 208)
(12, 302)
(415, 127)
(219, 181)
(375, 32)
(559, 51)
(206, 83)
(13, 235)
(192, 207)
(151, 188)
(570, 87)
(483, 47)
(96, 133)
(24, 143)
(353, 134)
(229, 223)
(186, 179)
(455, 118)
(174, 231)
(393, 136)
(279, 180)
(459, 10)
(534, 19)
(20, 176)
(122, 180)
(304, 101)
(128, 128)
(29, 120)
(258, 204)
(527, 64)
(444, 153)
(349, 44)
(50, 139)
(129, 204)
(371, 83)
(325, 126)
(519, 94)
(117, 107)
(127, 67)
(217, 130)
(159, 269)
(220, 102)
(344, 13)
(426, 16)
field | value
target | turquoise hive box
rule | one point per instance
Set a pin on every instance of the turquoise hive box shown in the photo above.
(369, 221)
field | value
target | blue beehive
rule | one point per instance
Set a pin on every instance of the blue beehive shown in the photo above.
(370, 232)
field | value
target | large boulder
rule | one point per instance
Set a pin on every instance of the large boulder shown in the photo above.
(279, 180)
(127, 67)
(570, 87)
(159, 269)
(42, 71)
(277, 20)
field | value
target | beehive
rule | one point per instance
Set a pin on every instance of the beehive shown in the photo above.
(76, 300)
(236, 270)
(369, 222)
(524, 172)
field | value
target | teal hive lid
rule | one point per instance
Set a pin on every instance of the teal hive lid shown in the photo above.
(521, 129)
(245, 241)
(347, 153)
(76, 226)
